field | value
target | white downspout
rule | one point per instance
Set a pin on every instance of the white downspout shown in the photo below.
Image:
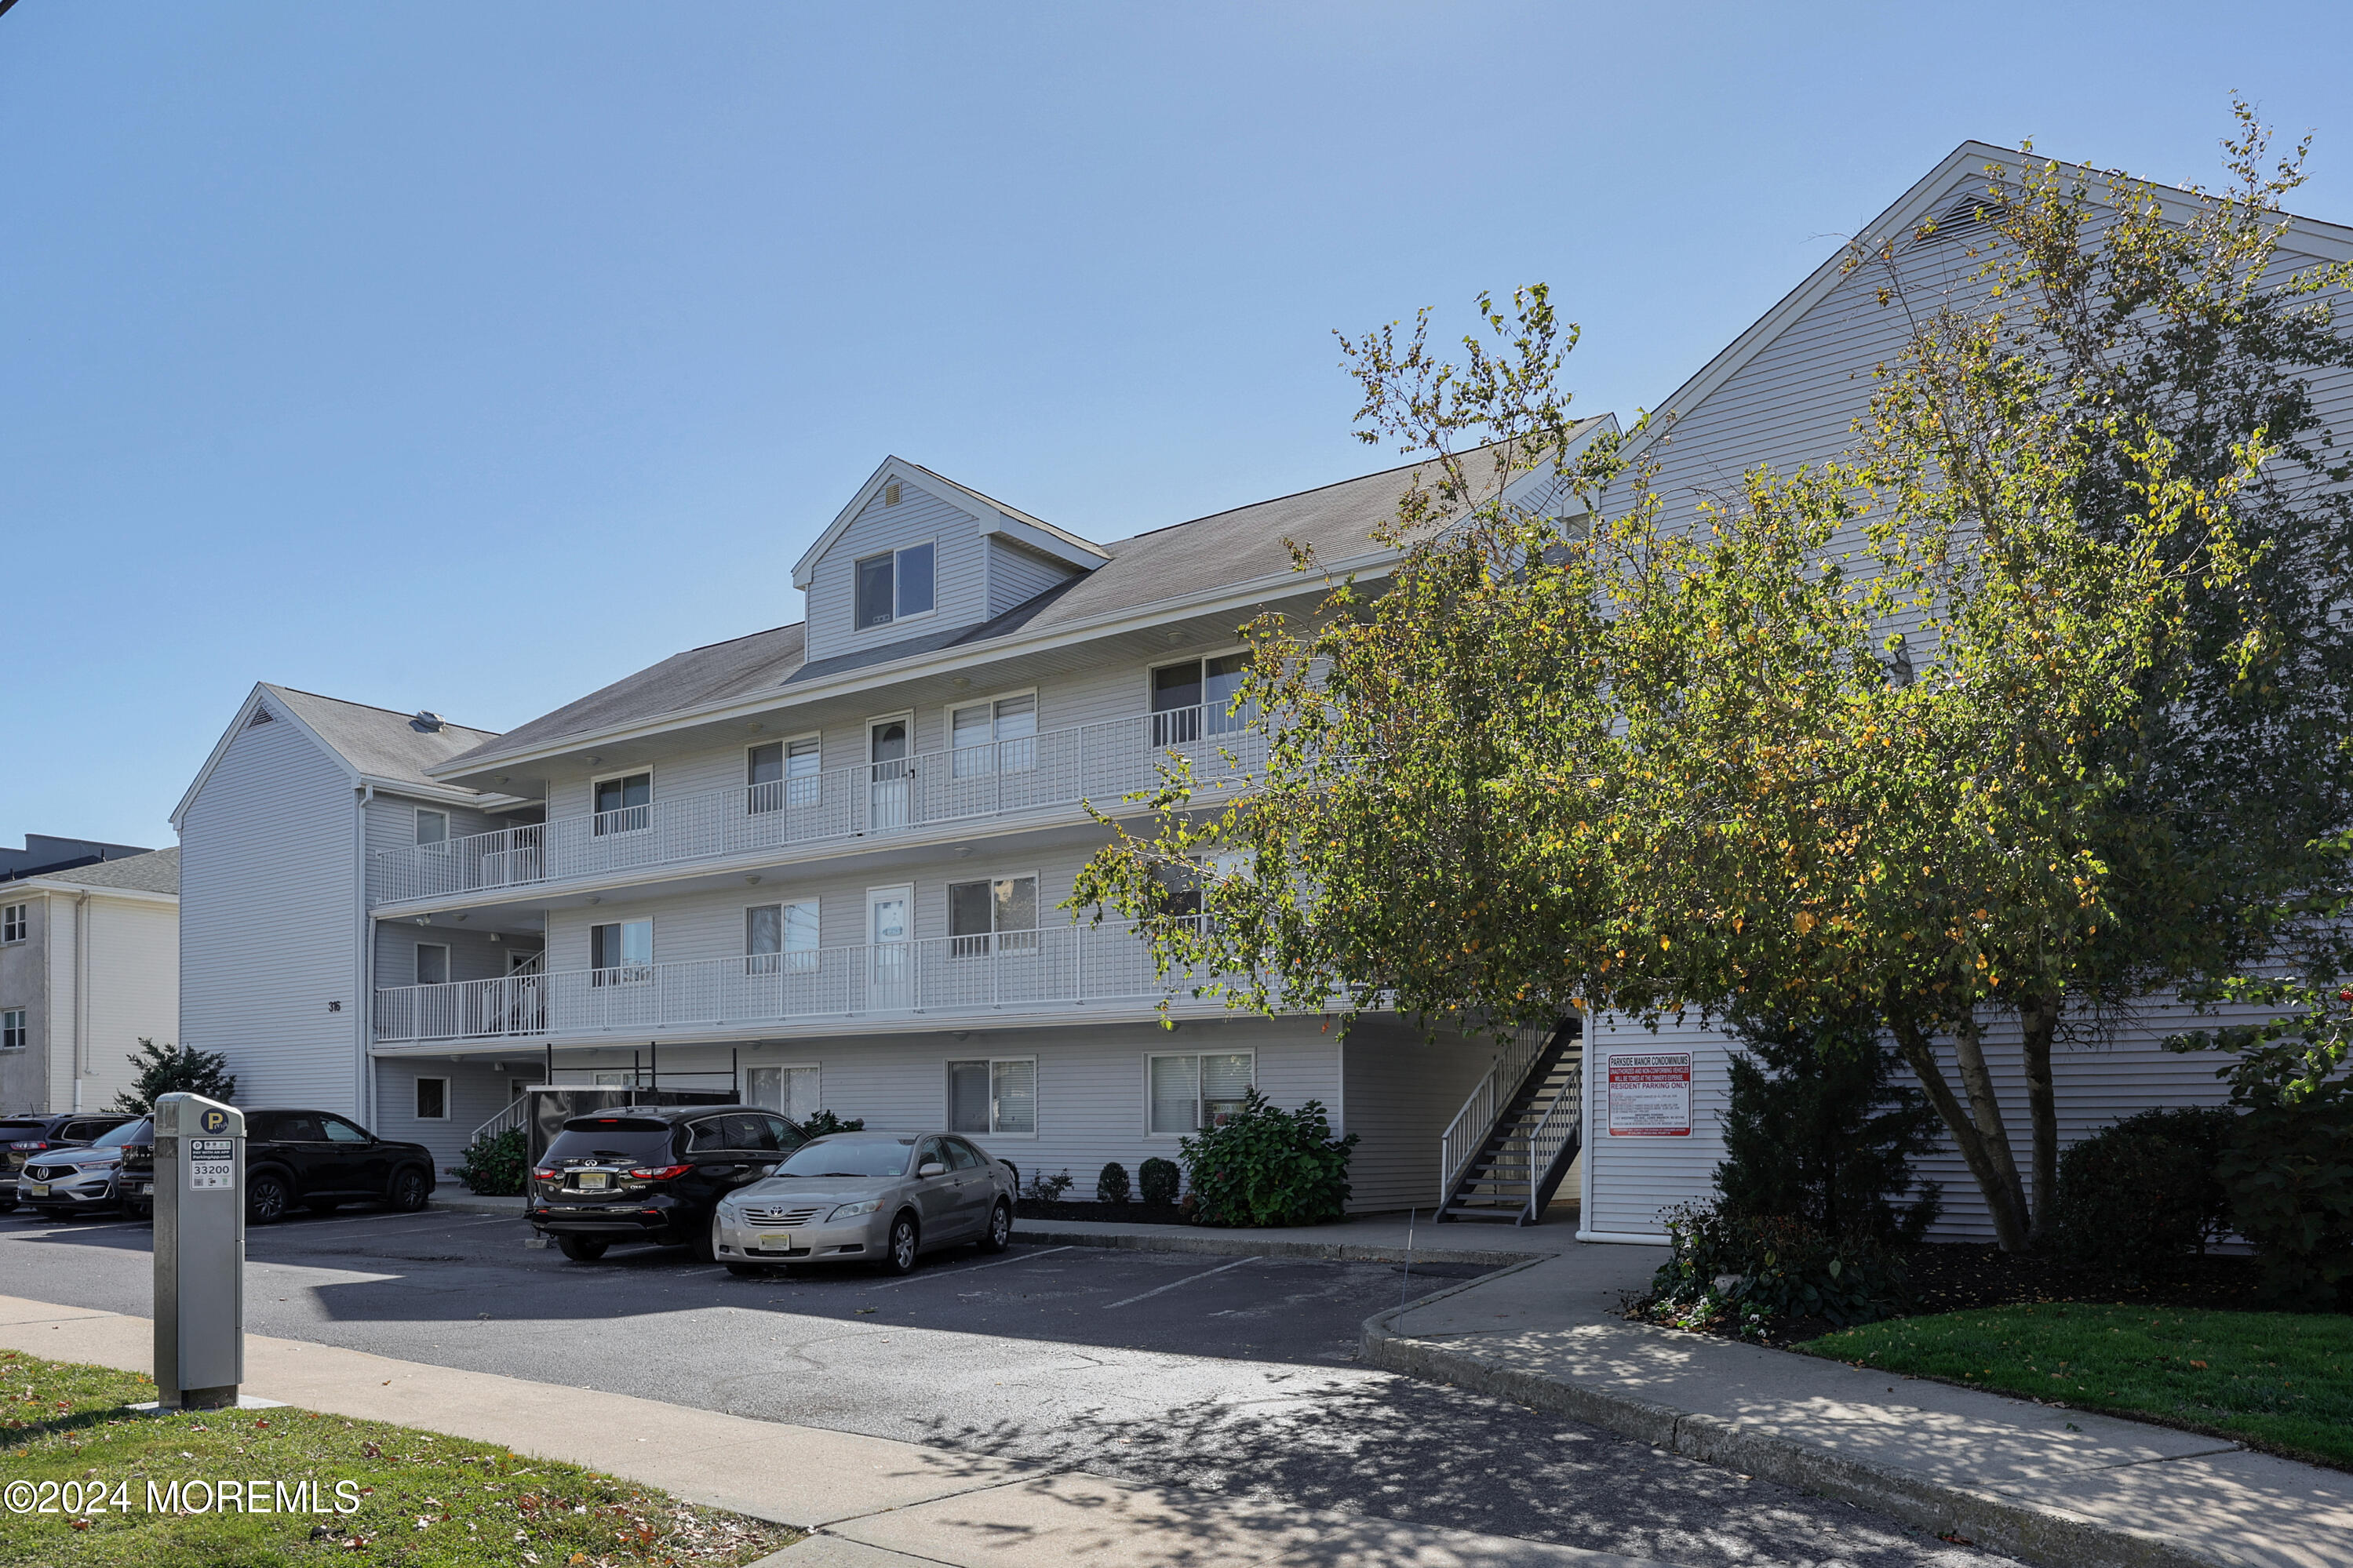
(81, 994)
(363, 1027)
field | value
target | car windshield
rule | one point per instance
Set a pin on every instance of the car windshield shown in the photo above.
(850, 1157)
(129, 1132)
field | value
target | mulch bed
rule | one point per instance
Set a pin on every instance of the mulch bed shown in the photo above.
(1952, 1276)
(1104, 1213)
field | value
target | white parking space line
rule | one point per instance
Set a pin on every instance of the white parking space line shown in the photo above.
(975, 1269)
(1131, 1300)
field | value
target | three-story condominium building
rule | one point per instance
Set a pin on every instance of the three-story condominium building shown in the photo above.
(824, 866)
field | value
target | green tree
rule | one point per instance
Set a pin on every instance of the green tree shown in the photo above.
(173, 1070)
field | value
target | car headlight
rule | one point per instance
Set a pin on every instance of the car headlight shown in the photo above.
(852, 1211)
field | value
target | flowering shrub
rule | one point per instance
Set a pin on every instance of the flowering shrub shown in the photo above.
(1750, 1268)
(1265, 1167)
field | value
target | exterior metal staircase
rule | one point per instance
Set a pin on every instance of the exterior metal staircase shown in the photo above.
(1515, 1139)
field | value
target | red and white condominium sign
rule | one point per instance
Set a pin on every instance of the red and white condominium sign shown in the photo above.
(1649, 1094)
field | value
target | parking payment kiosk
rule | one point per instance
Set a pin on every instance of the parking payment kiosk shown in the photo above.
(199, 1252)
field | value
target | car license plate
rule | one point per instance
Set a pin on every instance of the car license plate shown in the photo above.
(36, 1189)
(142, 1189)
(591, 1181)
(771, 1238)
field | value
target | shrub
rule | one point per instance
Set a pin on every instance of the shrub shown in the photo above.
(174, 1070)
(494, 1165)
(1815, 1130)
(1046, 1189)
(1110, 1186)
(2140, 1196)
(821, 1123)
(2288, 1170)
(1753, 1267)
(1265, 1167)
(1156, 1180)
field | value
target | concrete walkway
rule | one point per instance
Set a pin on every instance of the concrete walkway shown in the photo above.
(868, 1502)
(2059, 1487)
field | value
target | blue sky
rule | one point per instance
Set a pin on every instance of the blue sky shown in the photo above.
(469, 356)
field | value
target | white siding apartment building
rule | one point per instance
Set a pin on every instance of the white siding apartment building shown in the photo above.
(89, 965)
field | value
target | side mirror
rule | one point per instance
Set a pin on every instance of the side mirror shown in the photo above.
(933, 1169)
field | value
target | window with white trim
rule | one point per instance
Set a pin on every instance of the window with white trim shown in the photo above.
(1187, 1093)
(621, 952)
(999, 736)
(895, 586)
(15, 923)
(432, 828)
(13, 1037)
(789, 1090)
(994, 1097)
(780, 937)
(432, 1099)
(432, 963)
(783, 773)
(1195, 698)
(623, 804)
(999, 915)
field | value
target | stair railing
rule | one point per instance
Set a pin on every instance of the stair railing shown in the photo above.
(1468, 1132)
(1558, 1130)
(506, 1121)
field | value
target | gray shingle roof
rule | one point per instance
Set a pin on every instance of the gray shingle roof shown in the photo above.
(157, 871)
(378, 742)
(709, 674)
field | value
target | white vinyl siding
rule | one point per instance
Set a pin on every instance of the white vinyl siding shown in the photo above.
(959, 572)
(1015, 575)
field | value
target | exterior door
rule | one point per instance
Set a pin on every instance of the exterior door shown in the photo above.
(889, 951)
(889, 759)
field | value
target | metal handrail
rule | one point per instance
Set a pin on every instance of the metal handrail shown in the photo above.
(1469, 1130)
(1562, 1123)
(1104, 761)
(507, 1121)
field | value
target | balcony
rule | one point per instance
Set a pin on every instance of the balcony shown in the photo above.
(1046, 774)
(940, 981)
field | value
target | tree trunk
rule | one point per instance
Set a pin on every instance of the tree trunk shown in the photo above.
(2038, 1019)
(1982, 1140)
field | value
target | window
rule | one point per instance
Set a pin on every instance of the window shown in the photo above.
(782, 773)
(996, 916)
(1181, 892)
(789, 1090)
(622, 952)
(300, 1127)
(894, 586)
(777, 937)
(995, 737)
(623, 804)
(432, 963)
(1192, 699)
(432, 1100)
(963, 1156)
(997, 1097)
(15, 923)
(12, 1029)
(339, 1131)
(1189, 1093)
(432, 828)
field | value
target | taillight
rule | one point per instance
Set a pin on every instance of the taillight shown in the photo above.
(659, 1173)
(543, 1175)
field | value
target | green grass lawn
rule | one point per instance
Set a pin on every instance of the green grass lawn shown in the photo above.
(423, 1501)
(2279, 1381)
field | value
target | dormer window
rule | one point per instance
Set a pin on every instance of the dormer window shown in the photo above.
(894, 586)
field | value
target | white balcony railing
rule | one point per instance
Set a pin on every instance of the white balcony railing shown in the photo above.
(948, 977)
(1055, 768)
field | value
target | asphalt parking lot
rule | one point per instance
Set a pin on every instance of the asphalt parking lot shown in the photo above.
(1224, 1373)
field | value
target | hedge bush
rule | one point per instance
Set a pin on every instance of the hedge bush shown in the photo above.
(1264, 1166)
(2288, 1170)
(2140, 1197)
(494, 1166)
(1110, 1186)
(821, 1123)
(1156, 1179)
(1753, 1267)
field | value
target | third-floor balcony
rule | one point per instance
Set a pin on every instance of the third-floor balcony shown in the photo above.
(1044, 775)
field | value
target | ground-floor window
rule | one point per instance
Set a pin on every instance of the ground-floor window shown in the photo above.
(788, 1091)
(432, 1099)
(994, 1097)
(12, 1029)
(1187, 1093)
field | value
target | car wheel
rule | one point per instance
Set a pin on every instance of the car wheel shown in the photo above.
(409, 1191)
(581, 1248)
(266, 1198)
(1000, 1228)
(898, 1256)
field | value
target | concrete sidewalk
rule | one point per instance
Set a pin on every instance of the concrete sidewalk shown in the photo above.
(868, 1502)
(2059, 1487)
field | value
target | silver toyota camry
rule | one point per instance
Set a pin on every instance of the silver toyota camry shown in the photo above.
(867, 1197)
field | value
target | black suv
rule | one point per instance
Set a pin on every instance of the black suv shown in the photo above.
(651, 1172)
(23, 1138)
(321, 1159)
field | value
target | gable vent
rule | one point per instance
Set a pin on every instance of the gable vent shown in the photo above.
(427, 722)
(260, 716)
(1958, 221)
(891, 493)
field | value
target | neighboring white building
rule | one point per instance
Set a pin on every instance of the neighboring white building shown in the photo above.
(1786, 392)
(89, 965)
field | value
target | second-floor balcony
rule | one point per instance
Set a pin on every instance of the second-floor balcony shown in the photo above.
(1050, 771)
(938, 981)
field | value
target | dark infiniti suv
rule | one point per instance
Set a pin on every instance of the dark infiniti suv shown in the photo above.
(651, 1172)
